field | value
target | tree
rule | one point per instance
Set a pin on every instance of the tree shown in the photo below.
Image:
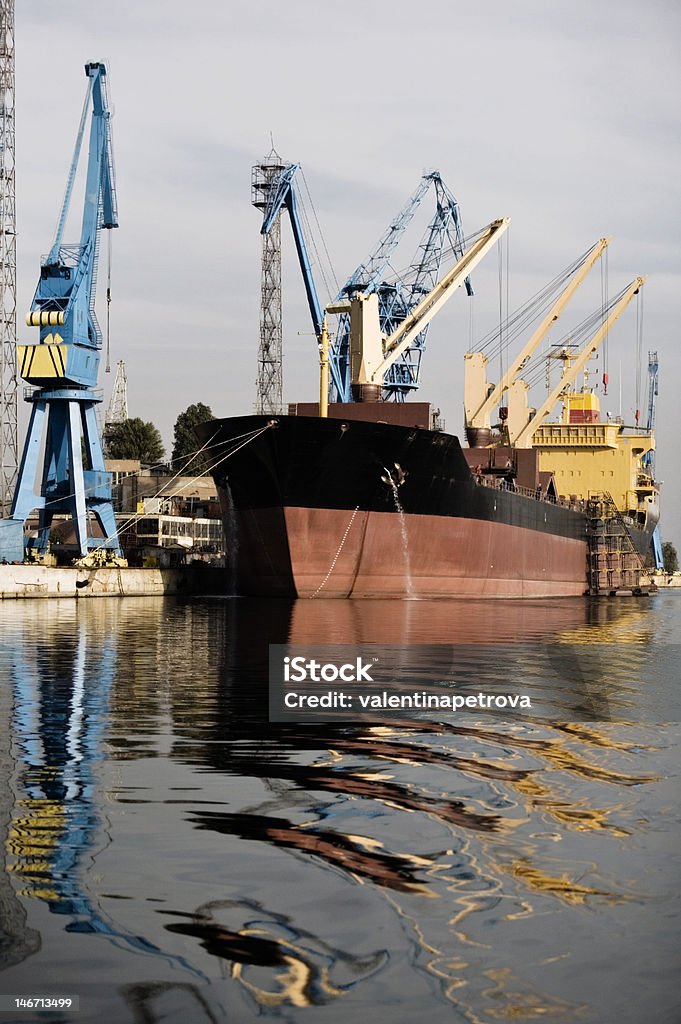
(671, 559)
(186, 442)
(135, 439)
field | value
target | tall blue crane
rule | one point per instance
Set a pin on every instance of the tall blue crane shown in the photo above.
(63, 363)
(653, 380)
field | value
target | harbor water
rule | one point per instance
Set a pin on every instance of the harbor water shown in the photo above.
(168, 854)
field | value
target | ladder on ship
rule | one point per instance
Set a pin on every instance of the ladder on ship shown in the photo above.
(615, 566)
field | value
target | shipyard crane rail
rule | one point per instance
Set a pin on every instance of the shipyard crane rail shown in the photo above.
(63, 364)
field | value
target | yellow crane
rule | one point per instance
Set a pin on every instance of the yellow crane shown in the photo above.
(523, 437)
(477, 409)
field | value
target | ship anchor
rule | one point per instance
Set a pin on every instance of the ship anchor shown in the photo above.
(394, 477)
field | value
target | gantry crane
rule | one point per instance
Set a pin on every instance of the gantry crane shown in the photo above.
(62, 365)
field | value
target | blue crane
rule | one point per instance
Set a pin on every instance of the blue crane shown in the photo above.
(653, 378)
(281, 194)
(396, 299)
(63, 363)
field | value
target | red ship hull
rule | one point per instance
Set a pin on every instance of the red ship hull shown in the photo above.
(339, 553)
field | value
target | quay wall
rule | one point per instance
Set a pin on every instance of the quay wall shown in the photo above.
(39, 581)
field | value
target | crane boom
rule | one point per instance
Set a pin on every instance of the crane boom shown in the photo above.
(371, 353)
(368, 274)
(481, 417)
(397, 298)
(523, 438)
(426, 309)
(284, 195)
(653, 372)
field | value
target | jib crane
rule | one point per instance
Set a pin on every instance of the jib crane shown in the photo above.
(281, 194)
(63, 363)
(479, 397)
(522, 438)
(395, 300)
(372, 352)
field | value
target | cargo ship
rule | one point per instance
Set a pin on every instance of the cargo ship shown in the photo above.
(344, 507)
(366, 499)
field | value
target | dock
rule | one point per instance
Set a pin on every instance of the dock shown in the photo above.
(40, 581)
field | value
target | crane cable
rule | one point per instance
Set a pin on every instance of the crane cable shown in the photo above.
(639, 354)
(604, 306)
(319, 233)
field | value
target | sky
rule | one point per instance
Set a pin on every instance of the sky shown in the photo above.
(562, 116)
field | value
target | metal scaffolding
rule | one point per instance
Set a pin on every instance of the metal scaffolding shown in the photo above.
(270, 386)
(8, 265)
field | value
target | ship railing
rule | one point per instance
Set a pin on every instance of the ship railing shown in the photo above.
(502, 484)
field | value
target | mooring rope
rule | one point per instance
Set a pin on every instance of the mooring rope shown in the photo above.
(253, 435)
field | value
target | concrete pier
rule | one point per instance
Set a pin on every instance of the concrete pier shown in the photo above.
(39, 581)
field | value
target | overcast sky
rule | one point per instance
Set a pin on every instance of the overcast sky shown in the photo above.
(562, 116)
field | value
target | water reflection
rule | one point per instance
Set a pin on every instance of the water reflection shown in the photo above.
(314, 973)
(412, 867)
(61, 672)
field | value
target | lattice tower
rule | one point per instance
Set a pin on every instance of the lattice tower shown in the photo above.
(269, 397)
(117, 409)
(8, 265)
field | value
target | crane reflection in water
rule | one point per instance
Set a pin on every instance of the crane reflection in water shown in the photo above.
(62, 679)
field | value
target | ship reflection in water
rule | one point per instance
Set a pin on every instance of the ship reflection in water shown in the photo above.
(169, 854)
